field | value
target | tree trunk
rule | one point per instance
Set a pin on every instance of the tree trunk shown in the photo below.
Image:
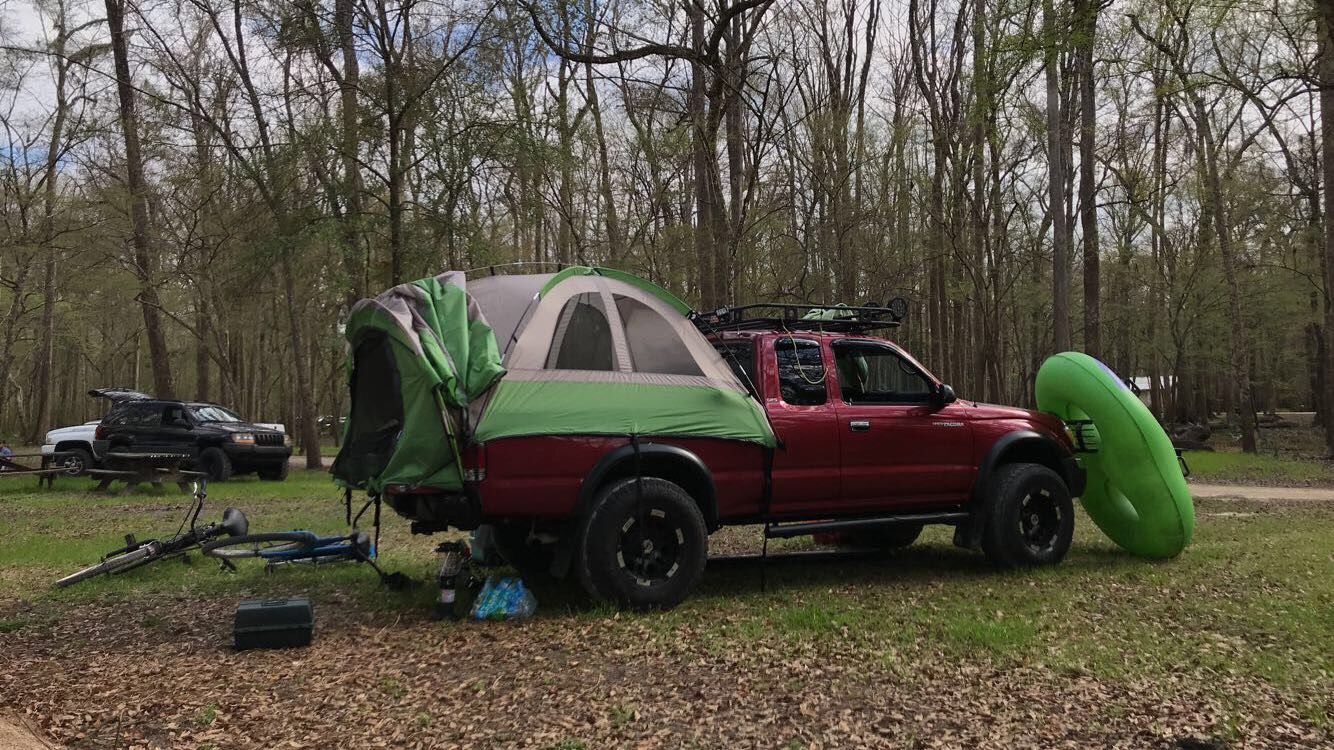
(1238, 335)
(702, 154)
(1056, 173)
(615, 242)
(1325, 23)
(1086, 15)
(144, 262)
(46, 345)
(355, 262)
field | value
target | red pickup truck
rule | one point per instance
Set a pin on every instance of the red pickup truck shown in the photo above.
(871, 446)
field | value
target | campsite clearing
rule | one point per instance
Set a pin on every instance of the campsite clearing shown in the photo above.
(1228, 642)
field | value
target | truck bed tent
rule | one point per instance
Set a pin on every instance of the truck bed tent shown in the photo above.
(585, 351)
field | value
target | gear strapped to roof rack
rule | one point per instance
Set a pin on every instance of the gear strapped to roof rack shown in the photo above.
(794, 317)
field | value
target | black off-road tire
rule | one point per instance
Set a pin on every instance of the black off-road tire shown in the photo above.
(888, 538)
(76, 461)
(644, 545)
(1030, 517)
(273, 472)
(216, 463)
(531, 559)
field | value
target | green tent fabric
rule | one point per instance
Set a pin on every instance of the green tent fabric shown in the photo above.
(421, 353)
(586, 351)
(593, 408)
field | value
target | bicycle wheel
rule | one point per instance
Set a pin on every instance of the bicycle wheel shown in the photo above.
(259, 545)
(133, 558)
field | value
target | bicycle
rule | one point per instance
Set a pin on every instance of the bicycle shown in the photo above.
(301, 546)
(137, 553)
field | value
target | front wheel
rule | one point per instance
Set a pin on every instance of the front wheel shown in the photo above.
(644, 544)
(273, 472)
(76, 461)
(115, 564)
(1030, 517)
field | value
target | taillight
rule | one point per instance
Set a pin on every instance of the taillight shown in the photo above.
(100, 433)
(474, 463)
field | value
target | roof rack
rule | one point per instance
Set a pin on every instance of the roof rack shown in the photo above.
(792, 317)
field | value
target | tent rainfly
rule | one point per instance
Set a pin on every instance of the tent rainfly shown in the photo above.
(587, 351)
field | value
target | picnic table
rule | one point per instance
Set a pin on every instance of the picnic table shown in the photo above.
(50, 468)
(135, 469)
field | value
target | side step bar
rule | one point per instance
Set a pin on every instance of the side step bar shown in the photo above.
(786, 530)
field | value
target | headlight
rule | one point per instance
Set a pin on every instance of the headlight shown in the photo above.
(243, 438)
(287, 440)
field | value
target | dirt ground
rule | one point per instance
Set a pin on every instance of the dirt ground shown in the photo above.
(1261, 494)
(16, 735)
(97, 682)
(159, 671)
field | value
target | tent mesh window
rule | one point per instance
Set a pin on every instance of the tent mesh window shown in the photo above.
(655, 346)
(582, 340)
(377, 411)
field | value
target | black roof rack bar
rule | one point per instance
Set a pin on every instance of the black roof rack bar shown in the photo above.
(789, 316)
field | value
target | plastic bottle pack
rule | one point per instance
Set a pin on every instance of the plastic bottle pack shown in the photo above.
(504, 599)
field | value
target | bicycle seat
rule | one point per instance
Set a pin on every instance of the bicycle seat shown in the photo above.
(234, 522)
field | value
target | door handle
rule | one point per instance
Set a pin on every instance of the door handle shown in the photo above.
(860, 425)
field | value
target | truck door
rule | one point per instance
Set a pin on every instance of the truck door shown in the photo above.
(900, 446)
(797, 398)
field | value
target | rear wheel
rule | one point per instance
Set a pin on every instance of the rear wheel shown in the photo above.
(258, 545)
(644, 544)
(216, 464)
(1030, 517)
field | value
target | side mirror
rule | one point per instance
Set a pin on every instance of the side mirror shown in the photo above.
(945, 394)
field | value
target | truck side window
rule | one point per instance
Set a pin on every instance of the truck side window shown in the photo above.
(800, 372)
(872, 374)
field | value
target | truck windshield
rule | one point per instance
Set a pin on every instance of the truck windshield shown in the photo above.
(213, 414)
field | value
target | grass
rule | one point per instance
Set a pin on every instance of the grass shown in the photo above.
(1233, 466)
(1289, 455)
(1251, 599)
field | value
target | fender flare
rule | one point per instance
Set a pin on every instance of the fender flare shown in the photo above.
(620, 457)
(969, 535)
(1010, 440)
(703, 491)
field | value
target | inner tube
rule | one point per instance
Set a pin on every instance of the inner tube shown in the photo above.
(1136, 492)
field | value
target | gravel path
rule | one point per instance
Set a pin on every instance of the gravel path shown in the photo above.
(1203, 491)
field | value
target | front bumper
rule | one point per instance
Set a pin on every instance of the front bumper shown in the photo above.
(258, 454)
(1076, 478)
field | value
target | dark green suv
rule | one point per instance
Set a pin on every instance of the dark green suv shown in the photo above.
(214, 437)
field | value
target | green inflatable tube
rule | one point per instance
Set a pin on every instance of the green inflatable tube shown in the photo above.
(1136, 493)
